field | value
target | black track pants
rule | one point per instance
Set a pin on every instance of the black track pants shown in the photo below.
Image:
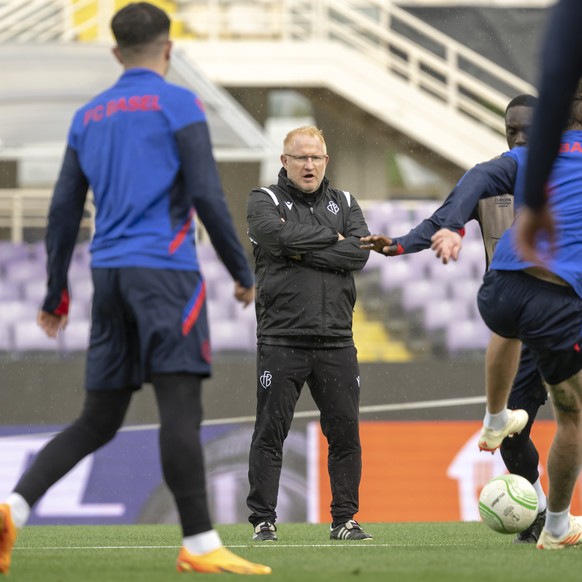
(333, 378)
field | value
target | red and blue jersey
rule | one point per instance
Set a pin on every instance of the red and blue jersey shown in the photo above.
(124, 139)
(144, 148)
(565, 202)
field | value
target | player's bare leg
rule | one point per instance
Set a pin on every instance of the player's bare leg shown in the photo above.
(501, 363)
(564, 462)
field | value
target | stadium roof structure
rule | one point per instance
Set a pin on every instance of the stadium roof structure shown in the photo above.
(43, 84)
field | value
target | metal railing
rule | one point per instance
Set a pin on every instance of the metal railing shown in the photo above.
(23, 210)
(397, 41)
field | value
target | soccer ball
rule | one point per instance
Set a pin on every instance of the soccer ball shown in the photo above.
(508, 504)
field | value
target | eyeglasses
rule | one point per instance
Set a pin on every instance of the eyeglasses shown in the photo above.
(303, 159)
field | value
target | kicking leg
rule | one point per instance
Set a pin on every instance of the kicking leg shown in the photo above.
(501, 365)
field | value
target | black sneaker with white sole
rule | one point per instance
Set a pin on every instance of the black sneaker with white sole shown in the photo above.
(265, 532)
(532, 533)
(350, 530)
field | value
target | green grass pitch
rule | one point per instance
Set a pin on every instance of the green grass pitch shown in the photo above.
(403, 552)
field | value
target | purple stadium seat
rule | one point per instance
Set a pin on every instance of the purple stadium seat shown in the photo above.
(6, 343)
(473, 252)
(375, 262)
(422, 260)
(424, 209)
(440, 313)
(38, 252)
(467, 334)
(81, 289)
(10, 252)
(246, 316)
(465, 293)
(417, 293)
(29, 337)
(379, 215)
(79, 309)
(213, 270)
(473, 232)
(9, 291)
(24, 270)
(11, 311)
(76, 335)
(34, 291)
(206, 253)
(376, 224)
(219, 310)
(231, 335)
(455, 272)
(399, 228)
(395, 272)
(79, 270)
(82, 253)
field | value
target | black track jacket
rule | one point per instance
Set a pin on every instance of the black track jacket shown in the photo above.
(304, 275)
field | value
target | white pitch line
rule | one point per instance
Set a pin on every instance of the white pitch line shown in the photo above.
(342, 545)
(419, 405)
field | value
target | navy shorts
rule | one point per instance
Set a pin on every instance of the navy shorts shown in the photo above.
(546, 317)
(144, 322)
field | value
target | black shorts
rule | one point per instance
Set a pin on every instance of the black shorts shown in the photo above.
(546, 317)
(144, 322)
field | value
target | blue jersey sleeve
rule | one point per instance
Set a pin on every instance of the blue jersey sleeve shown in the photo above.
(561, 67)
(492, 178)
(65, 214)
(487, 179)
(419, 238)
(203, 188)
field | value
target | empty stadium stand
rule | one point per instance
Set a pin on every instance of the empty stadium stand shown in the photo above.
(404, 302)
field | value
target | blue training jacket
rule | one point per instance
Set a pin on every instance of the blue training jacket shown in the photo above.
(143, 146)
(565, 202)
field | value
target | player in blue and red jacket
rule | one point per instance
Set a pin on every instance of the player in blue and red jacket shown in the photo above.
(143, 147)
(561, 68)
(485, 194)
(539, 303)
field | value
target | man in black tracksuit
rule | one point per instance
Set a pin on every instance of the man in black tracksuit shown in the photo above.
(305, 238)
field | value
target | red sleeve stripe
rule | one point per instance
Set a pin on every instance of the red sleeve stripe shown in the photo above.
(63, 307)
(181, 235)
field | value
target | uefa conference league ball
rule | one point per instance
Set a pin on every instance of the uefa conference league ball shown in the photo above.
(508, 504)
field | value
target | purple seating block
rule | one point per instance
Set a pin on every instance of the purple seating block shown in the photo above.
(418, 293)
(231, 336)
(29, 337)
(9, 291)
(440, 313)
(467, 334)
(76, 335)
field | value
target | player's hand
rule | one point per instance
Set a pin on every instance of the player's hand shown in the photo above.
(245, 295)
(530, 225)
(50, 323)
(340, 236)
(379, 243)
(446, 244)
